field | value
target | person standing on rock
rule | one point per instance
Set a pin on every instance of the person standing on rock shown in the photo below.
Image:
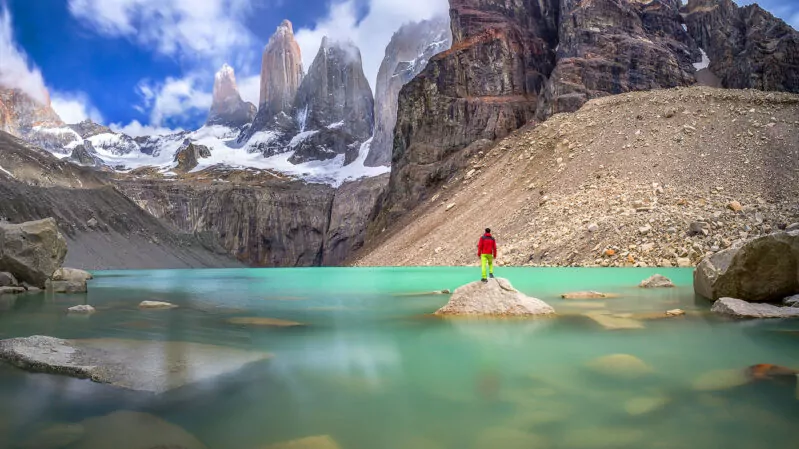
(487, 251)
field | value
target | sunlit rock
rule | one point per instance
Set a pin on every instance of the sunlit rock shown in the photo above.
(656, 281)
(156, 305)
(497, 297)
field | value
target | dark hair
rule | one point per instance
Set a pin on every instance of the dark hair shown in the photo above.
(488, 230)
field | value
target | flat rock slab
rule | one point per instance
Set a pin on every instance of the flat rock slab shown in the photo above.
(152, 366)
(497, 297)
(614, 321)
(742, 309)
(587, 295)
(263, 322)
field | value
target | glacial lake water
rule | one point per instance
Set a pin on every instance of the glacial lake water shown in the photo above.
(372, 369)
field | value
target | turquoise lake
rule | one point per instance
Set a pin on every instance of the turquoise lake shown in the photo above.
(372, 369)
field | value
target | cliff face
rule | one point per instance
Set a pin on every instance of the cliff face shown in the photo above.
(22, 116)
(334, 103)
(407, 55)
(265, 221)
(747, 47)
(228, 109)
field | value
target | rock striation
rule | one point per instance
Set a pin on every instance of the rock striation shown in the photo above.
(747, 47)
(32, 251)
(407, 54)
(227, 108)
(497, 297)
(765, 269)
(281, 75)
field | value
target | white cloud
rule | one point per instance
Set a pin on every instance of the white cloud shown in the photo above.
(185, 28)
(136, 129)
(75, 107)
(250, 88)
(174, 98)
(372, 33)
(16, 71)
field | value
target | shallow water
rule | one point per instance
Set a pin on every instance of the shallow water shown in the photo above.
(372, 369)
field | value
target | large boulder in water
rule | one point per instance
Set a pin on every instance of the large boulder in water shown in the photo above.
(765, 269)
(32, 251)
(497, 297)
(742, 309)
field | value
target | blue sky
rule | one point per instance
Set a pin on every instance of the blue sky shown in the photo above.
(147, 65)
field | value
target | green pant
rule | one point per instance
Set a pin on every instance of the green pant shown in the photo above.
(487, 259)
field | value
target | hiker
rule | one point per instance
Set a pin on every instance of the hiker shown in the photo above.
(487, 251)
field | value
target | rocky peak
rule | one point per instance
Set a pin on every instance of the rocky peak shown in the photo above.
(281, 71)
(19, 112)
(747, 47)
(406, 56)
(227, 108)
(88, 128)
(335, 103)
(189, 155)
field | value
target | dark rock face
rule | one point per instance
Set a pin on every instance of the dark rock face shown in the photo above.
(188, 156)
(335, 100)
(85, 154)
(228, 109)
(608, 47)
(748, 47)
(407, 55)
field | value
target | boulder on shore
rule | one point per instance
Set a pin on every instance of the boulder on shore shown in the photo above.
(497, 297)
(32, 251)
(742, 309)
(153, 366)
(656, 281)
(765, 269)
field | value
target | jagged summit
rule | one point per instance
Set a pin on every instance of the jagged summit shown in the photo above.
(228, 109)
(281, 71)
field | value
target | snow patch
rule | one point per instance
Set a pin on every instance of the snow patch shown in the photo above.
(685, 27)
(704, 63)
(336, 125)
(301, 137)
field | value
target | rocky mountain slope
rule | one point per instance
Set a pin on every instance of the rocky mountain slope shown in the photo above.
(104, 229)
(228, 109)
(407, 55)
(519, 62)
(656, 178)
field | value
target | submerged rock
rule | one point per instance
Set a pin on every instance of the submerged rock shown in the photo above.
(742, 309)
(720, 380)
(765, 269)
(32, 251)
(156, 305)
(586, 295)
(613, 321)
(623, 366)
(81, 309)
(656, 281)
(67, 286)
(153, 366)
(508, 438)
(54, 437)
(644, 405)
(497, 297)
(315, 442)
(134, 430)
(261, 321)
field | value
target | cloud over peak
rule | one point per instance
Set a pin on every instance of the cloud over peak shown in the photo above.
(16, 72)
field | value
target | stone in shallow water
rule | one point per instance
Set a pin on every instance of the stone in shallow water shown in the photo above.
(153, 366)
(134, 430)
(742, 309)
(315, 442)
(656, 281)
(601, 438)
(497, 297)
(262, 321)
(508, 438)
(614, 321)
(720, 380)
(622, 366)
(81, 309)
(54, 437)
(587, 295)
(644, 405)
(156, 305)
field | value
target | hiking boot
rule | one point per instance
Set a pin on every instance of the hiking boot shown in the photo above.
(491, 275)
(484, 280)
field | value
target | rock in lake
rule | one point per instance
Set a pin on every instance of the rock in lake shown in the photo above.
(316, 442)
(497, 297)
(675, 312)
(156, 305)
(153, 366)
(643, 405)
(32, 251)
(656, 281)
(792, 301)
(622, 366)
(765, 269)
(11, 290)
(67, 286)
(586, 295)
(614, 322)
(134, 430)
(81, 309)
(742, 309)
(720, 380)
(262, 321)
(71, 274)
(8, 280)
(54, 437)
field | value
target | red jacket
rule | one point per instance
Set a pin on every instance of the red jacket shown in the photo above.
(487, 245)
